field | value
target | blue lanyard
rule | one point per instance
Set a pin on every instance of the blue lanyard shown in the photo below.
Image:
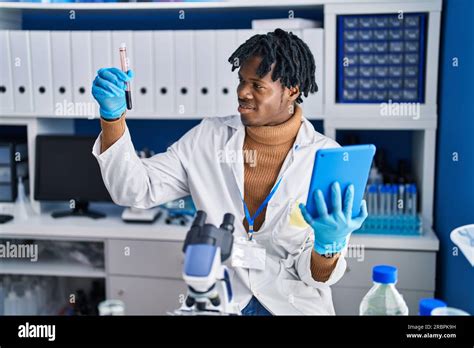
(251, 219)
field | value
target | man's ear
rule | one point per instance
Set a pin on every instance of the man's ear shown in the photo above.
(293, 93)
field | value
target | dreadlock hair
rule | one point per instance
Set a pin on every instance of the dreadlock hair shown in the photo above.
(294, 60)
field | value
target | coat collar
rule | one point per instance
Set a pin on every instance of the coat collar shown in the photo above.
(307, 135)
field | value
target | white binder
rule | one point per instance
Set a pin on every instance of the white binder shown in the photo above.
(6, 84)
(164, 73)
(205, 48)
(119, 37)
(143, 67)
(62, 75)
(313, 105)
(185, 86)
(22, 85)
(101, 41)
(101, 50)
(81, 46)
(227, 80)
(41, 69)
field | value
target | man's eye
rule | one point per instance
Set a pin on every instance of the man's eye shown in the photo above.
(256, 85)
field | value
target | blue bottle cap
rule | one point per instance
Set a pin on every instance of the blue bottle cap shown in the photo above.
(428, 304)
(384, 274)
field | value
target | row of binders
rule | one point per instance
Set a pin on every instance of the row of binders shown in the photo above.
(178, 73)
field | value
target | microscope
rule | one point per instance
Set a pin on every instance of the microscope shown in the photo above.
(205, 248)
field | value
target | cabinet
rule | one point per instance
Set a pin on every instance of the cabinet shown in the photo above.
(146, 275)
(416, 278)
(146, 296)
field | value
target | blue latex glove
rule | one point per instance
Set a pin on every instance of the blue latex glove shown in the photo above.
(331, 230)
(108, 89)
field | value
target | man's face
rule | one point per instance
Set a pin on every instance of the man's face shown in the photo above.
(263, 102)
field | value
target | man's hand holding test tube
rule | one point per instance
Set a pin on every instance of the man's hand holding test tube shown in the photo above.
(111, 88)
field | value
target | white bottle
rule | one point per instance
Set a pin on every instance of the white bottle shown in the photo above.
(31, 307)
(22, 204)
(3, 291)
(11, 304)
(383, 298)
(375, 177)
(40, 293)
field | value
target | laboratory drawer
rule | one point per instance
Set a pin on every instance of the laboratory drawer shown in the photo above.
(416, 269)
(347, 300)
(147, 296)
(145, 258)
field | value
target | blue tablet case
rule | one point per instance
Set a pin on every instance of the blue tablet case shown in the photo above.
(347, 164)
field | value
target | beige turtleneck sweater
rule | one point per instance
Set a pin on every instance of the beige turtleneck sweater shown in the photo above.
(271, 145)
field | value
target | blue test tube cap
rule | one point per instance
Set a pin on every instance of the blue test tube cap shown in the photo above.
(426, 305)
(411, 188)
(373, 188)
(385, 274)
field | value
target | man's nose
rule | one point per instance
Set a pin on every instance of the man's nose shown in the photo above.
(243, 92)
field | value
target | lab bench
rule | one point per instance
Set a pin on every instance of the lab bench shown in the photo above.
(143, 263)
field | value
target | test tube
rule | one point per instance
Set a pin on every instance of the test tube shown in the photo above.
(394, 194)
(388, 199)
(124, 66)
(372, 198)
(382, 199)
(401, 196)
(413, 199)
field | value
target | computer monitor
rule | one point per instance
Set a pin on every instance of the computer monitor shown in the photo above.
(66, 170)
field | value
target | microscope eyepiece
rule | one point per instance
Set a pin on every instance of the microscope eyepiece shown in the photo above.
(228, 222)
(200, 219)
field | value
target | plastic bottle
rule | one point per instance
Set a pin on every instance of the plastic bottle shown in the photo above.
(31, 306)
(426, 305)
(375, 177)
(22, 205)
(3, 291)
(12, 304)
(111, 307)
(383, 298)
(40, 298)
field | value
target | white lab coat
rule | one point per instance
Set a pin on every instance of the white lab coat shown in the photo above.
(207, 163)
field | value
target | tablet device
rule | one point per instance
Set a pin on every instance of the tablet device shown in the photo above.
(347, 165)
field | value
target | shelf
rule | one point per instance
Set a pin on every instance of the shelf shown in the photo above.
(180, 5)
(49, 268)
(425, 242)
(112, 227)
(159, 5)
(380, 123)
(81, 228)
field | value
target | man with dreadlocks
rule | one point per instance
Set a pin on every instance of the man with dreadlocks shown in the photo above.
(256, 165)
